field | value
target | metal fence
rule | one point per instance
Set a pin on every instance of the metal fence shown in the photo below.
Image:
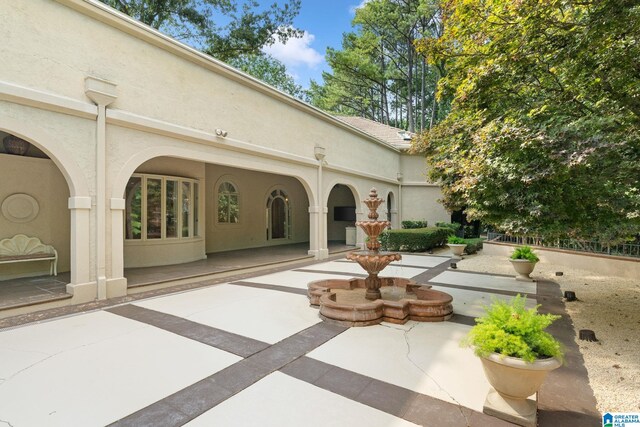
(624, 250)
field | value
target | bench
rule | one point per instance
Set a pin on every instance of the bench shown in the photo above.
(21, 248)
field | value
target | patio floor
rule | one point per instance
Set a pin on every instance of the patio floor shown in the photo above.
(33, 290)
(251, 352)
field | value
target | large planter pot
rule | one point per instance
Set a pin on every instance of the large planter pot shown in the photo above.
(457, 249)
(513, 381)
(524, 268)
(14, 145)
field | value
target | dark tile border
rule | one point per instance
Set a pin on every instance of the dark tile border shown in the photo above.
(394, 400)
(194, 400)
(483, 290)
(237, 344)
(566, 398)
(270, 287)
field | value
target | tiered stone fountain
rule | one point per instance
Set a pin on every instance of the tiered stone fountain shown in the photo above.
(362, 302)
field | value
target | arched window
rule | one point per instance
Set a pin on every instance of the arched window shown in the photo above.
(228, 207)
(278, 215)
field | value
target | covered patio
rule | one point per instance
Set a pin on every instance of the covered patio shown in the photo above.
(26, 291)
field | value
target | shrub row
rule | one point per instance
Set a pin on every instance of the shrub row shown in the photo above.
(414, 239)
(411, 224)
(455, 226)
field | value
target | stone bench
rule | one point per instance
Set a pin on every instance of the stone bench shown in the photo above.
(21, 248)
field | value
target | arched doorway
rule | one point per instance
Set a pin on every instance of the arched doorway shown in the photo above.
(341, 217)
(278, 215)
(390, 206)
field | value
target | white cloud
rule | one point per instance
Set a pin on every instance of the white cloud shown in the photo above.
(296, 52)
(353, 9)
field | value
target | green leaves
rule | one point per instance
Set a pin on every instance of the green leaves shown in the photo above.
(224, 29)
(510, 329)
(544, 131)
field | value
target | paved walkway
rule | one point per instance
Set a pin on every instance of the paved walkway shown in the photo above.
(252, 352)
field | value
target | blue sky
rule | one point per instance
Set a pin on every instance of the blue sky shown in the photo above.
(323, 21)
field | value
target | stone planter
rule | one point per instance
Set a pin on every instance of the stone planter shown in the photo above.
(457, 249)
(14, 145)
(513, 380)
(524, 268)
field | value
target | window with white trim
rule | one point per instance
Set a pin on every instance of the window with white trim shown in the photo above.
(159, 207)
(228, 204)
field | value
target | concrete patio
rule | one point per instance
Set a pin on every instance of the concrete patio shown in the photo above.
(249, 351)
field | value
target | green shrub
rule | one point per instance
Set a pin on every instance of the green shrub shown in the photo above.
(455, 240)
(415, 239)
(510, 329)
(524, 252)
(473, 245)
(411, 224)
(455, 226)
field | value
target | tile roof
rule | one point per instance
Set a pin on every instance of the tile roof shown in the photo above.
(389, 134)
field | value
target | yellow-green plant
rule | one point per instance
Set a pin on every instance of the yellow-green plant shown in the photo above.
(525, 252)
(510, 329)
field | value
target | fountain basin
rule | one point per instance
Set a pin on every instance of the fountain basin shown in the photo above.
(343, 301)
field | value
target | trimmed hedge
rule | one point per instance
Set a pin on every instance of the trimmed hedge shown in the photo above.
(455, 226)
(473, 245)
(411, 224)
(414, 239)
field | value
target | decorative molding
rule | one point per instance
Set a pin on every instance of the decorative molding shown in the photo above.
(46, 101)
(20, 208)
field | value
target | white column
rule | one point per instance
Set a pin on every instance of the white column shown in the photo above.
(116, 282)
(81, 286)
(102, 93)
(400, 178)
(322, 244)
(314, 233)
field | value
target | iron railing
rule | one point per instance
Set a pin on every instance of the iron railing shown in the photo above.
(594, 247)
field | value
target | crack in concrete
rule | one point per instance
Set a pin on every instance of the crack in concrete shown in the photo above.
(6, 422)
(50, 356)
(408, 355)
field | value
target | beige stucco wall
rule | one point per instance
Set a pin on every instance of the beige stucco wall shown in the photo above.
(40, 179)
(420, 203)
(157, 84)
(253, 190)
(339, 196)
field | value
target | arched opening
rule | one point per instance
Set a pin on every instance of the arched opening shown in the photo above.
(341, 218)
(278, 215)
(390, 206)
(33, 203)
(220, 226)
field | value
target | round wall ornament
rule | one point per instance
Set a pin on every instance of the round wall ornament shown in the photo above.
(20, 208)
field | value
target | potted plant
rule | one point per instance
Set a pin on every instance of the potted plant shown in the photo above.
(524, 261)
(457, 246)
(516, 354)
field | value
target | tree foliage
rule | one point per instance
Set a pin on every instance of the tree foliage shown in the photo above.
(269, 70)
(543, 136)
(224, 29)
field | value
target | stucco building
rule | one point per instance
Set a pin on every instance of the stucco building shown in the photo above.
(144, 152)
